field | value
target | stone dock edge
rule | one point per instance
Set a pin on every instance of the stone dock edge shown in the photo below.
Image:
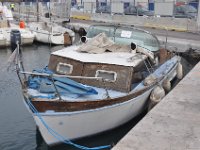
(173, 124)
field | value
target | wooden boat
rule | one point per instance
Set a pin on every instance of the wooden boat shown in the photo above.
(52, 33)
(97, 85)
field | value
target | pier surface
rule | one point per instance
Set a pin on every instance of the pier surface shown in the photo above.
(173, 124)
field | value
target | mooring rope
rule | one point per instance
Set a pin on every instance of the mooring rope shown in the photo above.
(60, 137)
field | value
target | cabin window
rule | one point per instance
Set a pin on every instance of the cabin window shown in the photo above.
(64, 68)
(109, 76)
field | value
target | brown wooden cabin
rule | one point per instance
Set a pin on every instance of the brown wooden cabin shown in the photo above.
(117, 77)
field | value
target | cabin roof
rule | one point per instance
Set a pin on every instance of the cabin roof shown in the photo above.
(116, 58)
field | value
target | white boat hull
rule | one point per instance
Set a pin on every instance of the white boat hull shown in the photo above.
(27, 36)
(52, 34)
(2, 42)
(78, 124)
(49, 38)
(84, 123)
(27, 41)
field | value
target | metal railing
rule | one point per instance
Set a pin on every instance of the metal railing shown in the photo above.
(173, 9)
(62, 10)
(32, 10)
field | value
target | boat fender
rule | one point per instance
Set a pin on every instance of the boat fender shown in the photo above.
(167, 85)
(179, 71)
(22, 24)
(156, 96)
(150, 80)
(67, 39)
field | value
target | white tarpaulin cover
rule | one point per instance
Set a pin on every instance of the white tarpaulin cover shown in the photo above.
(101, 43)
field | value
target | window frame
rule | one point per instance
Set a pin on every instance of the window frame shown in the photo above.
(108, 72)
(64, 64)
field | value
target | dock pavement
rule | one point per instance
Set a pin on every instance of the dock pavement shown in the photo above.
(173, 124)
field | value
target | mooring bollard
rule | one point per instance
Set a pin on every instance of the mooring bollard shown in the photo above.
(67, 39)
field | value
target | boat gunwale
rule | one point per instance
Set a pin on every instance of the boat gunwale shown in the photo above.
(71, 106)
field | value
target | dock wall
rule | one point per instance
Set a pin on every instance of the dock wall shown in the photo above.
(173, 124)
(169, 23)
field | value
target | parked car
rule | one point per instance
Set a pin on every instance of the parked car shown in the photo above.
(104, 9)
(77, 8)
(185, 11)
(138, 11)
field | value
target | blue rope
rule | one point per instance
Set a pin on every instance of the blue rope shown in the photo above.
(60, 137)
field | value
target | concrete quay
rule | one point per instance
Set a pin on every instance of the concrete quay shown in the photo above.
(170, 23)
(173, 124)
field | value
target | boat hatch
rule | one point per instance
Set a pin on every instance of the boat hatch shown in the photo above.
(109, 76)
(64, 68)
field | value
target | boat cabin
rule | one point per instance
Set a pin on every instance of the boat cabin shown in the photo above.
(117, 69)
(107, 52)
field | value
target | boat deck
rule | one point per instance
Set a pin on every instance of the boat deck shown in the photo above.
(118, 58)
(173, 124)
(74, 97)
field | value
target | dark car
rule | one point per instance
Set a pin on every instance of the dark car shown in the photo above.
(104, 9)
(137, 11)
(185, 11)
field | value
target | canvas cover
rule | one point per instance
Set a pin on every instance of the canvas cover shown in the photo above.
(101, 43)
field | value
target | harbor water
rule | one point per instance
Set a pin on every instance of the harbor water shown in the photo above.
(18, 130)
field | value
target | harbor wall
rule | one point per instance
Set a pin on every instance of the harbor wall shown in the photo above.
(169, 23)
(173, 124)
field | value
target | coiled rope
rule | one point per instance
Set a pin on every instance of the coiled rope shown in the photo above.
(60, 137)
